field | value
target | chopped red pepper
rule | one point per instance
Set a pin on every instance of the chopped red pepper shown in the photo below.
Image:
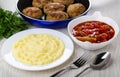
(87, 31)
(104, 35)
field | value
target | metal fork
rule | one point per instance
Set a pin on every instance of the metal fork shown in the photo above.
(76, 64)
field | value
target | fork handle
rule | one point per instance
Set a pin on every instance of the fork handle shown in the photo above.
(62, 71)
(82, 71)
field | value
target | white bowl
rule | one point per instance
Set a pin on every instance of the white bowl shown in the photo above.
(98, 17)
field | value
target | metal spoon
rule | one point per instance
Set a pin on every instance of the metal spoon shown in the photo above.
(100, 61)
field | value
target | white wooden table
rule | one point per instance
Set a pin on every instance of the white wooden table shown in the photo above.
(110, 9)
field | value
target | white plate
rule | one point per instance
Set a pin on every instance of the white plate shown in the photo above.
(7, 49)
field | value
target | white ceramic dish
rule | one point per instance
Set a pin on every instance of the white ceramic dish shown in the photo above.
(7, 47)
(98, 17)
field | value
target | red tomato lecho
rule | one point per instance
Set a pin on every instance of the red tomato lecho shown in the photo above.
(93, 31)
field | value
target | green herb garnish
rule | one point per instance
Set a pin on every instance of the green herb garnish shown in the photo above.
(10, 23)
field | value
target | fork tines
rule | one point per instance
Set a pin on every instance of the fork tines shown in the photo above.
(82, 60)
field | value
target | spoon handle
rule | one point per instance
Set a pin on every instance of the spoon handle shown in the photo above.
(82, 71)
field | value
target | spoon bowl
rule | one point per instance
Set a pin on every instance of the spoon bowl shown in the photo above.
(101, 60)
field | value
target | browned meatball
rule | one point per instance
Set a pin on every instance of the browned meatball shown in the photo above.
(74, 10)
(65, 2)
(53, 7)
(40, 3)
(57, 15)
(33, 12)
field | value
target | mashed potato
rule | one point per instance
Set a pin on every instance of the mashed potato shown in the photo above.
(38, 49)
